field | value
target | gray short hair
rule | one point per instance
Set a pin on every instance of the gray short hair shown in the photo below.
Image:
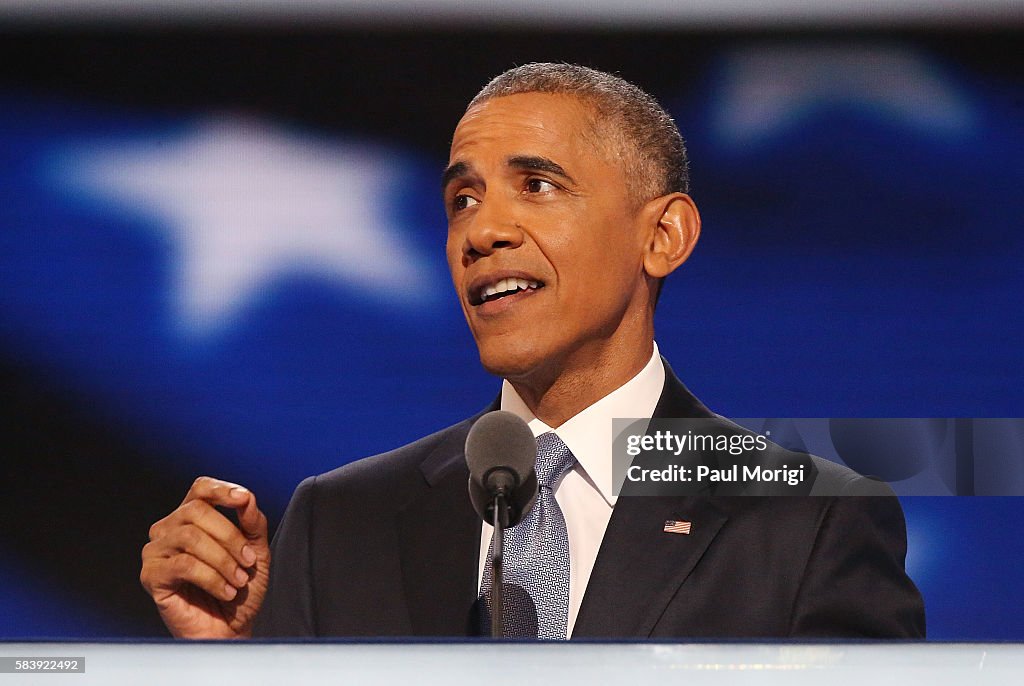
(646, 136)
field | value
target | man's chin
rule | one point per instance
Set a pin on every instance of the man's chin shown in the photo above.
(510, 362)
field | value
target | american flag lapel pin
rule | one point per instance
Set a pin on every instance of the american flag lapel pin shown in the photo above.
(677, 527)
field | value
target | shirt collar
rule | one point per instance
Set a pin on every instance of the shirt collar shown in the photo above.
(589, 433)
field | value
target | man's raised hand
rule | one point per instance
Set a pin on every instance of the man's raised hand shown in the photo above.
(206, 575)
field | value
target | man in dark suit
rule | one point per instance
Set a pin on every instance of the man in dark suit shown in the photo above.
(566, 195)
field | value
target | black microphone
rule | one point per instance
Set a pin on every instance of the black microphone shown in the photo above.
(501, 452)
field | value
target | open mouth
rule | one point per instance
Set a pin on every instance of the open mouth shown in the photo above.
(503, 288)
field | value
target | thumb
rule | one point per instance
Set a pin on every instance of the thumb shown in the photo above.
(252, 521)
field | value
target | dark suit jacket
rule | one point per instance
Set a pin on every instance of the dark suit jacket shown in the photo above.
(389, 546)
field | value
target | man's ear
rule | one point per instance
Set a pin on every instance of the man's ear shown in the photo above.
(673, 229)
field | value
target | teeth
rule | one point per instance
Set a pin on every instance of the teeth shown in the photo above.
(510, 284)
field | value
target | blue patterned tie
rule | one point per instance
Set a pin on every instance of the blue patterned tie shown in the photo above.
(536, 557)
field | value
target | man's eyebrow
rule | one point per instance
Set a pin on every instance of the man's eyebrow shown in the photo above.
(522, 162)
(537, 163)
(453, 172)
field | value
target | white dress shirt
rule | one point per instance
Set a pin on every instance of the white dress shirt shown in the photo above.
(585, 492)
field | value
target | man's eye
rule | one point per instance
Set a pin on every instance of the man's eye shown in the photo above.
(539, 186)
(463, 201)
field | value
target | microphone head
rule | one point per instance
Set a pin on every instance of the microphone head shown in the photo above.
(501, 451)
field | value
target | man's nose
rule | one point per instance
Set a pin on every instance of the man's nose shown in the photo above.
(493, 228)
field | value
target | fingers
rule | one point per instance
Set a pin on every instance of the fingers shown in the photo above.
(217, 492)
(191, 540)
(228, 494)
(176, 529)
(223, 554)
(187, 569)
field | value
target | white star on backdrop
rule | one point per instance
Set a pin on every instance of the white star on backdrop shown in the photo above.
(245, 203)
(770, 88)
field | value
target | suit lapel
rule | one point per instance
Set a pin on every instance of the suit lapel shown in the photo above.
(439, 537)
(640, 567)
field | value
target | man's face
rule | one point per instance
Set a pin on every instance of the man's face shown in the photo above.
(543, 244)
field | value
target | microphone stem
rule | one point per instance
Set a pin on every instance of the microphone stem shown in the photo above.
(497, 559)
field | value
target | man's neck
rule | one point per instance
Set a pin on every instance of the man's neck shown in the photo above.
(558, 394)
